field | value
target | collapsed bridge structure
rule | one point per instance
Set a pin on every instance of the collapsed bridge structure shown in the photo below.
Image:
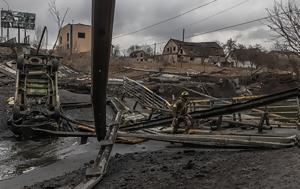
(222, 110)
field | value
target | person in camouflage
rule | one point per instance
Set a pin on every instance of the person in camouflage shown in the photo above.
(180, 113)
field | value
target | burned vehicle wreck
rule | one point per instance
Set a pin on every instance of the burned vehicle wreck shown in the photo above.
(36, 102)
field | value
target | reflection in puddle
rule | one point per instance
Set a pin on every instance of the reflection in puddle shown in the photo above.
(19, 157)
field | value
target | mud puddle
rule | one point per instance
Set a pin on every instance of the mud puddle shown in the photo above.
(19, 157)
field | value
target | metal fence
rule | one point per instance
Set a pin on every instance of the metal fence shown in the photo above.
(145, 96)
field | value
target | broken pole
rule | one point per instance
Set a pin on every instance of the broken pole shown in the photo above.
(19, 34)
(102, 21)
(2, 25)
(25, 36)
(41, 41)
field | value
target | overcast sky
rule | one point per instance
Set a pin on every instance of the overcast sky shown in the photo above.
(135, 14)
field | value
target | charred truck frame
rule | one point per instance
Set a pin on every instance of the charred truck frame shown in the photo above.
(36, 103)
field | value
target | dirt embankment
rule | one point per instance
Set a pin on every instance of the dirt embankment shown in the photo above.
(200, 169)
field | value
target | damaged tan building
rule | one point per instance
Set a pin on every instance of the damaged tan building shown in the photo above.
(190, 52)
(75, 38)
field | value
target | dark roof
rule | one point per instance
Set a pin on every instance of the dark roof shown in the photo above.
(202, 49)
(134, 53)
(245, 54)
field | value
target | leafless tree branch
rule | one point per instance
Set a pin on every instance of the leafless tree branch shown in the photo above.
(285, 21)
(59, 19)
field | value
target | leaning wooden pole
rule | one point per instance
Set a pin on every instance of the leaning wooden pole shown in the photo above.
(102, 21)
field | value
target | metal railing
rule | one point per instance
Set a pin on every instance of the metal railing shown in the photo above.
(145, 96)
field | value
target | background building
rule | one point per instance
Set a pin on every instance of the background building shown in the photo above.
(75, 38)
(204, 52)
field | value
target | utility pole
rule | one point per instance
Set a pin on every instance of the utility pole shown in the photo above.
(25, 36)
(154, 49)
(1, 28)
(183, 34)
(102, 27)
(8, 8)
(1, 33)
(19, 34)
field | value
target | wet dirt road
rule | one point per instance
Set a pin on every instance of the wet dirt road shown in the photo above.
(189, 169)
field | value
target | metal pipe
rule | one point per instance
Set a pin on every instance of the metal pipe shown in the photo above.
(41, 41)
(102, 19)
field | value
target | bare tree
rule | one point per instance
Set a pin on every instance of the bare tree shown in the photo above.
(229, 47)
(284, 21)
(133, 48)
(58, 17)
(279, 46)
(259, 47)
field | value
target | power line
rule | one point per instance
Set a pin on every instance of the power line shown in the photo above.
(218, 13)
(232, 26)
(164, 21)
(224, 28)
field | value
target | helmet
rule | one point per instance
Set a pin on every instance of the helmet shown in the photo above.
(185, 94)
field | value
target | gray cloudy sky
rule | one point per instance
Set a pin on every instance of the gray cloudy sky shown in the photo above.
(134, 14)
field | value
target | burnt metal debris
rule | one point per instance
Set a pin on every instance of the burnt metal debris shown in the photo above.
(36, 95)
(219, 111)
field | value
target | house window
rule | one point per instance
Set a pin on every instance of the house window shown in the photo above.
(68, 37)
(60, 40)
(81, 35)
(192, 58)
(168, 50)
(174, 49)
(142, 55)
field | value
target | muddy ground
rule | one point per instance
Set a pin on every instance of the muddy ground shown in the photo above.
(205, 169)
(195, 168)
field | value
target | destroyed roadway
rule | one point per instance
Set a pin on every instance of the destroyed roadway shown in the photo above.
(60, 162)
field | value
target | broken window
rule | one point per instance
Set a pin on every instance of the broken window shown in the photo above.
(168, 50)
(174, 49)
(60, 40)
(81, 35)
